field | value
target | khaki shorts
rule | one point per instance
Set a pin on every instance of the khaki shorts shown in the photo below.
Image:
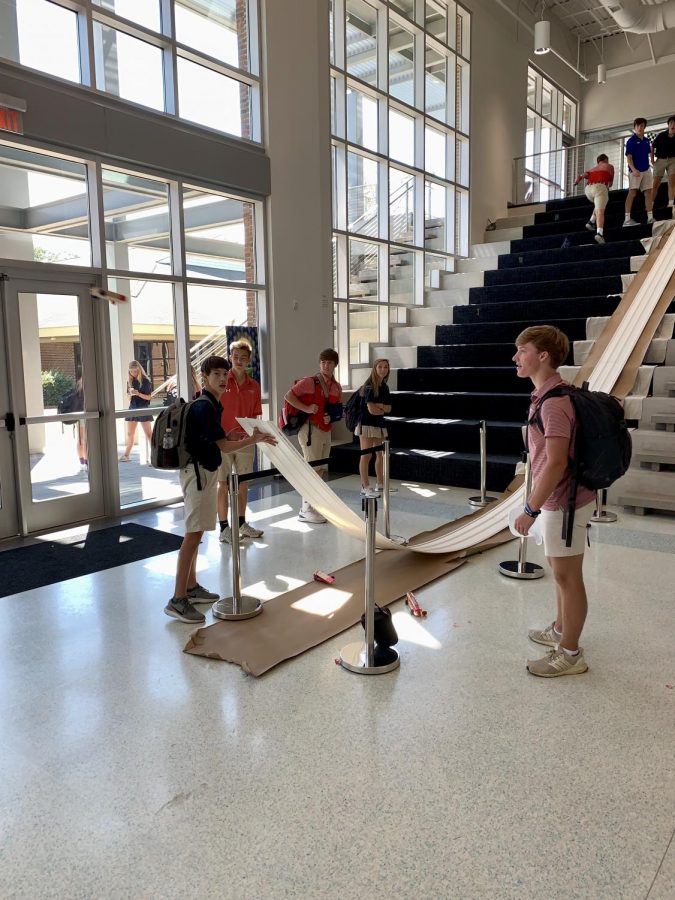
(242, 459)
(640, 182)
(597, 194)
(663, 166)
(320, 446)
(551, 529)
(199, 507)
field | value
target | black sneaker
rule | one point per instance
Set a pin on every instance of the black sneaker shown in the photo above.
(180, 608)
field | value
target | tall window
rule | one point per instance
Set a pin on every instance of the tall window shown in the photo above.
(195, 59)
(551, 128)
(400, 160)
(189, 260)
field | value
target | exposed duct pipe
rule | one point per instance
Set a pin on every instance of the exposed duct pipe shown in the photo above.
(632, 15)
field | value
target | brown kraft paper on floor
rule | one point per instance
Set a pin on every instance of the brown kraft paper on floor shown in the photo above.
(314, 613)
(288, 626)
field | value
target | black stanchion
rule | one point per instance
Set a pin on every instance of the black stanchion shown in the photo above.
(237, 606)
(364, 657)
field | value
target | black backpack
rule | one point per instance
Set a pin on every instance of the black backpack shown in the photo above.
(602, 443)
(353, 410)
(71, 402)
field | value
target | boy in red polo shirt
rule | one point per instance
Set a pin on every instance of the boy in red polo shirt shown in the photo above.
(316, 395)
(241, 397)
(540, 350)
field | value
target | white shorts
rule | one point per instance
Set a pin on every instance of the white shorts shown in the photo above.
(664, 166)
(199, 507)
(597, 194)
(641, 182)
(242, 459)
(551, 529)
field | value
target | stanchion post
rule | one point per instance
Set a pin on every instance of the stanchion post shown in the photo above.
(601, 516)
(237, 606)
(521, 568)
(360, 656)
(385, 486)
(483, 500)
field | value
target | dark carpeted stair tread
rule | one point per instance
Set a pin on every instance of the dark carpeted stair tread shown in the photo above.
(448, 378)
(460, 353)
(461, 433)
(542, 290)
(584, 252)
(582, 237)
(596, 268)
(443, 406)
(490, 332)
(535, 310)
(564, 227)
(442, 467)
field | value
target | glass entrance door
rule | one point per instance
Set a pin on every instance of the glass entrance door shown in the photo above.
(9, 520)
(53, 396)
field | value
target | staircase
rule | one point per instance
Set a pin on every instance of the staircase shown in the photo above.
(452, 364)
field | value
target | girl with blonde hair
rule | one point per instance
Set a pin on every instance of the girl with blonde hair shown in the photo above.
(139, 390)
(371, 429)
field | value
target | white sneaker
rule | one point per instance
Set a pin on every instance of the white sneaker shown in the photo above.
(590, 226)
(226, 535)
(309, 514)
(629, 222)
(599, 239)
(248, 531)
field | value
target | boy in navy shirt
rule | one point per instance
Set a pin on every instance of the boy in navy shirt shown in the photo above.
(638, 152)
(199, 483)
(663, 148)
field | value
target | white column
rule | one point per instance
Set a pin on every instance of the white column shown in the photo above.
(297, 136)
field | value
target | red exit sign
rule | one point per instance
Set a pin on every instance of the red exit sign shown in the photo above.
(11, 120)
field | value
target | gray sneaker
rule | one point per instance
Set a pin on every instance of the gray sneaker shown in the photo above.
(590, 226)
(180, 608)
(599, 239)
(557, 662)
(199, 594)
(248, 531)
(547, 636)
(226, 535)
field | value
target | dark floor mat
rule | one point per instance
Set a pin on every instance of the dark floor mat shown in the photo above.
(49, 562)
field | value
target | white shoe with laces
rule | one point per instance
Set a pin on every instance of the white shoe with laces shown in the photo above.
(248, 531)
(309, 514)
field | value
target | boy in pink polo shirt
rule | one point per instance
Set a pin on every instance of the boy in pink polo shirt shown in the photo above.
(540, 351)
(241, 397)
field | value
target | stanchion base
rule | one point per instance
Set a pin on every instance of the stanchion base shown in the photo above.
(602, 517)
(398, 539)
(481, 501)
(355, 658)
(246, 608)
(530, 570)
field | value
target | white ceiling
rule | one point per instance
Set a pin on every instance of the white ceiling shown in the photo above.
(586, 19)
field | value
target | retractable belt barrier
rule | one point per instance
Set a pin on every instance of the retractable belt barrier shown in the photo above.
(239, 606)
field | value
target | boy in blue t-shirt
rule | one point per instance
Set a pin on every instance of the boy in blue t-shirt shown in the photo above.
(638, 152)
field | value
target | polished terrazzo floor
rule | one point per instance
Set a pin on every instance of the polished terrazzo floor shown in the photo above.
(131, 770)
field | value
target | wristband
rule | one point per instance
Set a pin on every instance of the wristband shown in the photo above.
(533, 513)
